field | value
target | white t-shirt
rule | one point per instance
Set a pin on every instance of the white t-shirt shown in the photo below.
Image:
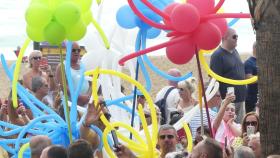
(171, 100)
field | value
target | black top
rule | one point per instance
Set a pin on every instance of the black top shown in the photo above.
(229, 65)
(252, 89)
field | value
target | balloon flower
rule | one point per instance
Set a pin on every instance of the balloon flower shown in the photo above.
(192, 25)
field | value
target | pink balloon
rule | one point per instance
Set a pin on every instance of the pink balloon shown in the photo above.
(203, 6)
(221, 23)
(180, 53)
(185, 18)
(207, 36)
(168, 10)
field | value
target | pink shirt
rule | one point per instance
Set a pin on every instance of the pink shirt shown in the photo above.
(224, 131)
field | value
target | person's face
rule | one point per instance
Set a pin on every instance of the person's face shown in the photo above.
(231, 39)
(36, 59)
(184, 92)
(256, 147)
(75, 54)
(141, 100)
(229, 113)
(251, 120)
(44, 88)
(167, 140)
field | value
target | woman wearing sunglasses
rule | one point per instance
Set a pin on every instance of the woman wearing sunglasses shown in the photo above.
(250, 125)
(36, 70)
(186, 90)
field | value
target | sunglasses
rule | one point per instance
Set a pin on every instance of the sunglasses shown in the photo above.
(107, 116)
(46, 85)
(181, 89)
(76, 50)
(36, 58)
(166, 136)
(235, 37)
(253, 123)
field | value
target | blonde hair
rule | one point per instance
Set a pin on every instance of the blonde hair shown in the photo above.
(32, 54)
(189, 84)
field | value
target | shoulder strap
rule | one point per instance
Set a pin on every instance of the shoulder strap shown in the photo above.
(167, 92)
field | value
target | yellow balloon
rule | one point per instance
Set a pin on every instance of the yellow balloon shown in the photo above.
(22, 149)
(189, 137)
(16, 72)
(151, 150)
(101, 32)
(223, 79)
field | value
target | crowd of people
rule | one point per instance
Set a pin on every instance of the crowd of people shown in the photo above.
(233, 111)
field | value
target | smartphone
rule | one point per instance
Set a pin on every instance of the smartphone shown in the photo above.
(115, 139)
(250, 130)
(230, 90)
(44, 63)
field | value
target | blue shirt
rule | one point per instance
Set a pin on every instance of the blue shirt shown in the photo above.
(252, 89)
(229, 65)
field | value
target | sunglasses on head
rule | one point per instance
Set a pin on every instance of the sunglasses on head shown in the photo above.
(235, 37)
(166, 136)
(36, 58)
(76, 50)
(253, 123)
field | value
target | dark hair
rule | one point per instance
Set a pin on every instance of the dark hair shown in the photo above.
(80, 149)
(243, 127)
(205, 128)
(57, 152)
(213, 148)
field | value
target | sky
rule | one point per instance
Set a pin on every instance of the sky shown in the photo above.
(13, 33)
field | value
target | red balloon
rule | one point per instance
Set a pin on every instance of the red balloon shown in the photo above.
(180, 53)
(203, 6)
(207, 36)
(185, 18)
(168, 10)
(221, 23)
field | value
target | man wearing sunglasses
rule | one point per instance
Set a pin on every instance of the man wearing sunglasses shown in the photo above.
(226, 62)
(75, 69)
(167, 139)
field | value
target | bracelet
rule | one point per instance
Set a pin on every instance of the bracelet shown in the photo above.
(84, 124)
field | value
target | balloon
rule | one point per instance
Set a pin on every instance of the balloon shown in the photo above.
(36, 34)
(180, 53)
(54, 33)
(84, 4)
(129, 21)
(87, 17)
(168, 10)
(38, 15)
(22, 149)
(101, 33)
(76, 32)
(221, 24)
(150, 15)
(202, 34)
(203, 6)
(67, 14)
(233, 21)
(189, 137)
(16, 72)
(153, 33)
(185, 18)
(223, 79)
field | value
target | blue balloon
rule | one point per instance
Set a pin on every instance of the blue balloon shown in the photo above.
(232, 22)
(153, 33)
(126, 18)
